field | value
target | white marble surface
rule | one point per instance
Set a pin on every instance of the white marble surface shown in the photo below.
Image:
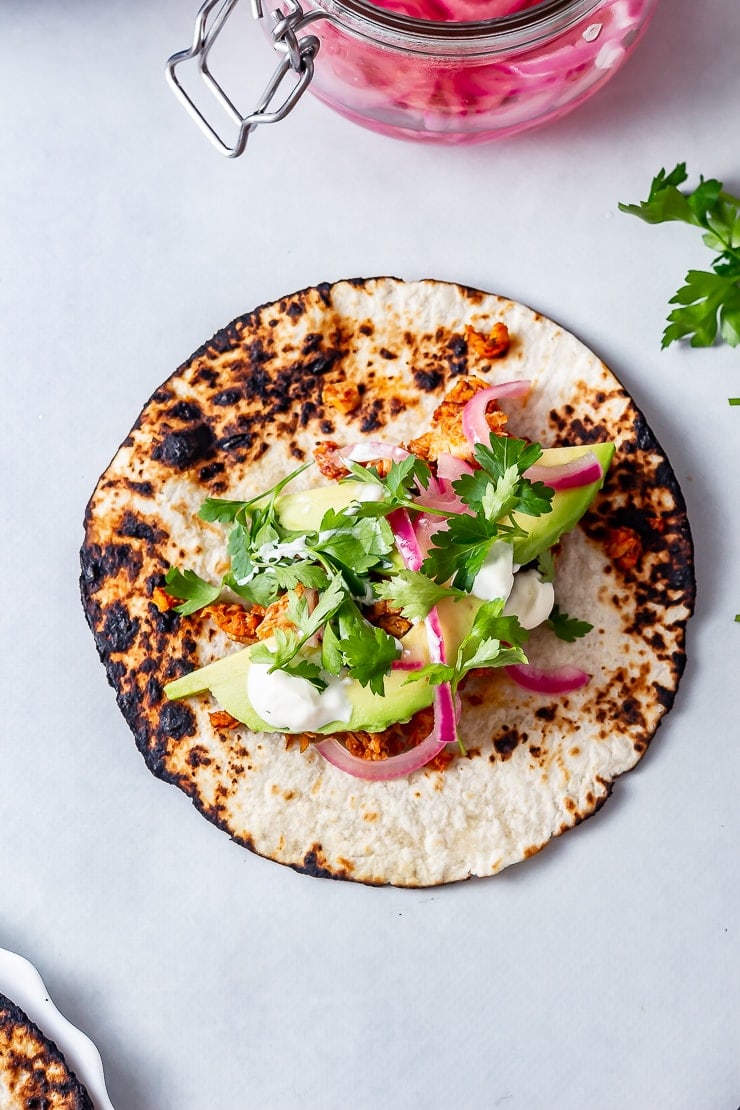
(603, 973)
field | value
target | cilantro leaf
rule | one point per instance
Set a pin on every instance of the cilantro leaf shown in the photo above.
(332, 659)
(287, 577)
(195, 591)
(283, 658)
(329, 601)
(368, 653)
(490, 623)
(499, 487)
(262, 589)
(709, 301)
(400, 485)
(413, 593)
(567, 628)
(459, 551)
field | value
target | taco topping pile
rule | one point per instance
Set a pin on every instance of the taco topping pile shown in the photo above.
(366, 601)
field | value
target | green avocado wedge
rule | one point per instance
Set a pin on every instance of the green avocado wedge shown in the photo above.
(568, 505)
(226, 679)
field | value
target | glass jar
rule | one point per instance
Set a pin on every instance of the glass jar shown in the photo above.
(446, 82)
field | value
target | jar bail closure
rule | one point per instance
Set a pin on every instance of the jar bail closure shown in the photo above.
(297, 58)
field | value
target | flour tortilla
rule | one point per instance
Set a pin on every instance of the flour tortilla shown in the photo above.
(246, 409)
(33, 1072)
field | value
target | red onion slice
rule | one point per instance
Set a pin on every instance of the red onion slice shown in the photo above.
(474, 423)
(406, 541)
(450, 468)
(553, 680)
(406, 665)
(578, 472)
(380, 770)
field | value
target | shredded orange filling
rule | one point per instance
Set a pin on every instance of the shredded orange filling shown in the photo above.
(493, 345)
(624, 546)
(446, 435)
(389, 619)
(221, 719)
(328, 461)
(342, 395)
(236, 622)
(163, 600)
(275, 615)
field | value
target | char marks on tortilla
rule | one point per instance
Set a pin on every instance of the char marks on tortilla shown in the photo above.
(247, 408)
(33, 1072)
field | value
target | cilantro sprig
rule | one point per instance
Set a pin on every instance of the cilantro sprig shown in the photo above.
(494, 492)
(709, 301)
(493, 641)
(567, 628)
(413, 594)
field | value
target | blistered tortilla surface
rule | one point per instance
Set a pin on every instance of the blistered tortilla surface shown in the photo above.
(246, 409)
(33, 1072)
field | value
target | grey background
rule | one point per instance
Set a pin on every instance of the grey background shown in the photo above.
(603, 972)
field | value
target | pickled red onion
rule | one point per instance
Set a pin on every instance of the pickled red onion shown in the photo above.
(578, 472)
(474, 423)
(548, 680)
(380, 770)
(406, 541)
(450, 468)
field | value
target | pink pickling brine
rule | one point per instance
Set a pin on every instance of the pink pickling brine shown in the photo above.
(469, 83)
(457, 11)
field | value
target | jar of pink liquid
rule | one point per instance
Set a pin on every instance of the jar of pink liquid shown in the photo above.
(442, 71)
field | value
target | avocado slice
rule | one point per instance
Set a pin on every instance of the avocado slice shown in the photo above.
(568, 505)
(304, 511)
(226, 678)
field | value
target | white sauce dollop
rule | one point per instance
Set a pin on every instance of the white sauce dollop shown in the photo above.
(292, 704)
(496, 577)
(531, 599)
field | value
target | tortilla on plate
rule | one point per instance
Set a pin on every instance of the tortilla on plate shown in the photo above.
(33, 1071)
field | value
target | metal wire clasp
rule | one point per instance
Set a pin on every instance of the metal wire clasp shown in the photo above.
(298, 58)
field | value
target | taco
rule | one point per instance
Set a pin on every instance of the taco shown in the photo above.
(305, 418)
(33, 1072)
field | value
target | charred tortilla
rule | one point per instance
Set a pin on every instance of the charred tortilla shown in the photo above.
(33, 1072)
(245, 410)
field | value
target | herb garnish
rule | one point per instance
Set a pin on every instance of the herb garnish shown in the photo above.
(493, 641)
(414, 594)
(494, 492)
(347, 560)
(710, 298)
(567, 628)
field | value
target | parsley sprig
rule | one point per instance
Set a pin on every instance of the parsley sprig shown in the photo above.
(710, 299)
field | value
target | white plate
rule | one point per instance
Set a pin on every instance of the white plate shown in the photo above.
(22, 984)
